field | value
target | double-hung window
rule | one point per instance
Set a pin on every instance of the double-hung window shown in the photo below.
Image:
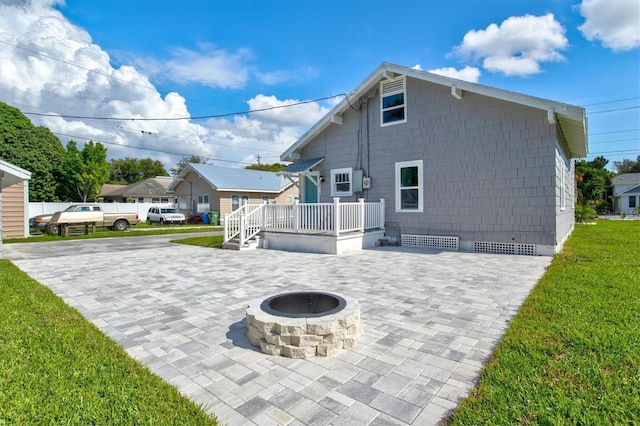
(238, 200)
(409, 186)
(341, 180)
(393, 101)
(203, 203)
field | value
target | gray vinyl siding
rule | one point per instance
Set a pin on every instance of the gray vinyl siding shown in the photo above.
(489, 165)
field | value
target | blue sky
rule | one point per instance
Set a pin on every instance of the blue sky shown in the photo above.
(181, 59)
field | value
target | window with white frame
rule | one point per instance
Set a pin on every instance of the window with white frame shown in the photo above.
(203, 203)
(563, 189)
(238, 200)
(265, 199)
(393, 101)
(341, 182)
(409, 186)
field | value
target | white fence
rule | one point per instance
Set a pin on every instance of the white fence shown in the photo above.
(141, 209)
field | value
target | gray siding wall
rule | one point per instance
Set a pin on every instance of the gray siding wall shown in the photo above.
(490, 171)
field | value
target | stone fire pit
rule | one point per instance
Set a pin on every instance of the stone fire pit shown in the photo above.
(304, 324)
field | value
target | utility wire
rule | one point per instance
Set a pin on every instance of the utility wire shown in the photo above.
(201, 117)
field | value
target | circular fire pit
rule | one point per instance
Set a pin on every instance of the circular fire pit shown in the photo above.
(304, 324)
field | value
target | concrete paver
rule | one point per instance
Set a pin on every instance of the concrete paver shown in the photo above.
(432, 319)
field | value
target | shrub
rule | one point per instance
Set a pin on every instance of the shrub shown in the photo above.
(584, 213)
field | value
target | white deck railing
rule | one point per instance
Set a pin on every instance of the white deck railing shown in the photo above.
(313, 218)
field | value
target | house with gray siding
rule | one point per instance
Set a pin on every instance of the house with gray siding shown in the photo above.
(459, 165)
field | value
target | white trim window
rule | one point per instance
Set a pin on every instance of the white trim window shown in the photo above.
(238, 200)
(341, 182)
(393, 101)
(409, 186)
(203, 203)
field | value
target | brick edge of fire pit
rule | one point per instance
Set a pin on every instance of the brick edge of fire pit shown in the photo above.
(303, 338)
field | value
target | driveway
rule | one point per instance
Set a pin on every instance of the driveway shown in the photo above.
(432, 319)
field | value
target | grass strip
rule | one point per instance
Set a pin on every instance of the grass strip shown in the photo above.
(572, 353)
(57, 368)
(204, 241)
(105, 233)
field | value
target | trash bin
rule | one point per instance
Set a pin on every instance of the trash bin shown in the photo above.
(213, 217)
(205, 218)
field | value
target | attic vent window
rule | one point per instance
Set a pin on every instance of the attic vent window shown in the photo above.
(393, 101)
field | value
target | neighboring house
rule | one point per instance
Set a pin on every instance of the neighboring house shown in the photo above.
(201, 188)
(460, 165)
(626, 193)
(14, 201)
(151, 190)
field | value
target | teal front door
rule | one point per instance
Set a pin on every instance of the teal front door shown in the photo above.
(310, 189)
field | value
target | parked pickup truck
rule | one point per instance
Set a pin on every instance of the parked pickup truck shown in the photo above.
(89, 215)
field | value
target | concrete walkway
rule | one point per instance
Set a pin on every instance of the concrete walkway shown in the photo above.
(432, 319)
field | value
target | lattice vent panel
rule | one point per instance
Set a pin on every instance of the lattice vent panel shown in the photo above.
(431, 241)
(504, 248)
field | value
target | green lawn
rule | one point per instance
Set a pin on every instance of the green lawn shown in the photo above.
(135, 231)
(56, 368)
(572, 354)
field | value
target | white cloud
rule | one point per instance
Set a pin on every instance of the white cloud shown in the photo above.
(616, 23)
(280, 76)
(51, 65)
(518, 46)
(210, 67)
(471, 74)
(303, 114)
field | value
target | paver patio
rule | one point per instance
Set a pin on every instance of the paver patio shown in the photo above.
(432, 319)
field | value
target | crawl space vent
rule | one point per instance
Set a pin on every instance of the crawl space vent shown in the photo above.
(430, 241)
(504, 248)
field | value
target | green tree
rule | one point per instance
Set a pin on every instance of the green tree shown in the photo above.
(275, 167)
(131, 170)
(627, 166)
(35, 149)
(594, 183)
(85, 171)
(194, 159)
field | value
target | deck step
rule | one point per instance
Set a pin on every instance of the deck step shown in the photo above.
(234, 244)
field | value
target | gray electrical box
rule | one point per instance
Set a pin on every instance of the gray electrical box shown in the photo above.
(366, 183)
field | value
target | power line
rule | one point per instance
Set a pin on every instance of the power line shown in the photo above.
(155, 89)
(614, 110)
(147, 149)
(202, 117)
(612, 102)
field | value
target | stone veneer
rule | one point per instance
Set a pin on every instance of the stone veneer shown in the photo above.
(304, 337)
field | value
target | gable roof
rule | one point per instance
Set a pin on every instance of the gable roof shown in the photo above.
(10, 174)
(571, 119)
(626, 179)
(149, 187)
(228, 179)
(631, 191)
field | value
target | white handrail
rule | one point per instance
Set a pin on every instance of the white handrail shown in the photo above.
(317, 218)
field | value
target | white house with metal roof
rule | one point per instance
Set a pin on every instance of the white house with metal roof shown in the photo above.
(201, 188)
(626, 193)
